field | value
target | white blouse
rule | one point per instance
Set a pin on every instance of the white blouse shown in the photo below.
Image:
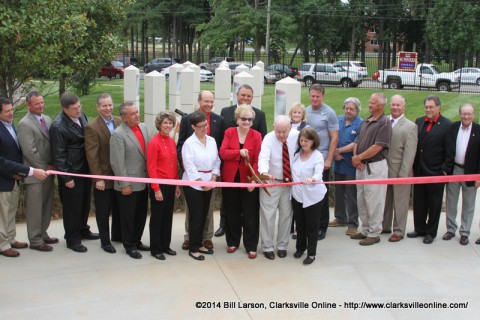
(198, 157)
(308, 194)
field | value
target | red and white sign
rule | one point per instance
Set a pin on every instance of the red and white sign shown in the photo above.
(407, 60)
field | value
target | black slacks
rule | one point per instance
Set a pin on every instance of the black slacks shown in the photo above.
(427, 205)
(105, 203)
(307, 226)
(133, 216)
(198, 203)
(76, 208)
(161, 218)
(242, 211)
(323, 206)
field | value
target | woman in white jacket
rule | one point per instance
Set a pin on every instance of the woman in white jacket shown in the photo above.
(307, 167)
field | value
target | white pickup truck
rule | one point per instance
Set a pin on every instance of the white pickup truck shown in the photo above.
(425, 75)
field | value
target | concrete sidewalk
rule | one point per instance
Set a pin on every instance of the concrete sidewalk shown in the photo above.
(96, 285)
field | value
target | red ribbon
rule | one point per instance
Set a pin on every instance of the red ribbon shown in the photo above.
(391, 181)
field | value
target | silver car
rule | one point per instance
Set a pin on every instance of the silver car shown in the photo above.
(468, 75)
(270, 76)
(327, 73)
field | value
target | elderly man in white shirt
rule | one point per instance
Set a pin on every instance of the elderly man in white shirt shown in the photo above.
(271, 164)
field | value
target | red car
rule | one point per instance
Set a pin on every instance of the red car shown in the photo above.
(113, 69)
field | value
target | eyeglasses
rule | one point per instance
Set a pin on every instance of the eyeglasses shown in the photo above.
(247, 119)
(202, 127)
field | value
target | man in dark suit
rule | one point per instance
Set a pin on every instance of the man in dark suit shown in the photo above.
(34, 139)
(432, 159)
(11, 169)
(215, 130)
(244, 96)
(68, 154)
(464, 141)
(128, 155)
(97, 148)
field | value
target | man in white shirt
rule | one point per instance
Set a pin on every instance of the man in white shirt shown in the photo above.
(270, 164)
(464, 140)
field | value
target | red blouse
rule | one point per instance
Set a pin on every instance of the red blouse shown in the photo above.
(230, 154)
(162, 159)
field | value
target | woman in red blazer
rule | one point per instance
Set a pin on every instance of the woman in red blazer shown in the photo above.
(241, 204)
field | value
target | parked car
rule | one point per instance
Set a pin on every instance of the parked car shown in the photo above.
(270, 76)
(284, 69)
(205, 75)
(468, 75)
(159, 63)
(128, 61)
(357, 66)
(113, 69)
(327, 73)
(213, 63)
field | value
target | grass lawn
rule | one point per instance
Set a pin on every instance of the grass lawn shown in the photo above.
(333, 97)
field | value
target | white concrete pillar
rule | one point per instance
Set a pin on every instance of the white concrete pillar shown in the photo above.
(154, 98)
(131, 86)
(287, 92)
(196, 82)
(223, 84)
(258, 79)
(187, 101)
(261, 65)
(174, 86)
(240, 79)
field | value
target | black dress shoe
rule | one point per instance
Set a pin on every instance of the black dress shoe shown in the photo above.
(90, 236)
(134, 254)
(413, 234)
(448, 235)
(170, 252)
(109, 248)
(298, 254)
(282, 253)
(322, 234)
(209, 251)
(199, 258)
(463, 240)
(428, 239)
(143, 247)
(269, 255)
(220, 232)
(77, 247)
(50, 240)
(478, 241)
(308, 260)
(159, 256)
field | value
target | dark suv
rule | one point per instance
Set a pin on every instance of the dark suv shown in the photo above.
(159, 63)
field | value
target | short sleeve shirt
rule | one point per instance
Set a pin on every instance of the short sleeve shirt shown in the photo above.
(324, 120)
(378, 132)
(346, 135)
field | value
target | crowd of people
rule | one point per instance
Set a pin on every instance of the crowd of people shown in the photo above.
(309, 146)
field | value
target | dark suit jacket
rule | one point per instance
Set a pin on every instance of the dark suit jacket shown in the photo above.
(230, 154)
(97, 148)
(217, 127)
(472, 154)
(67, 145)
(433, 158)
(259, 123)
(11, 160)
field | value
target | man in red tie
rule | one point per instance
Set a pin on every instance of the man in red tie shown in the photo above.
(128, 155)
(277, 149)
(433, 158)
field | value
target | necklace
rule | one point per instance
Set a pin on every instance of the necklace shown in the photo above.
(169, 154)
